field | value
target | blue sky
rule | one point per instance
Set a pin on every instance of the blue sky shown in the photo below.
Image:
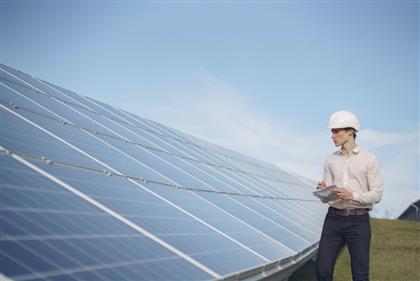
(258, 77)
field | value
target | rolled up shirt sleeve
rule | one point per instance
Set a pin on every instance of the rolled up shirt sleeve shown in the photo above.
(375, 185)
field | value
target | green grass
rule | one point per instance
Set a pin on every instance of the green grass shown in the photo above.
(394, 256)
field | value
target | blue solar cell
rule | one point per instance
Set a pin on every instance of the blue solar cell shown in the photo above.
(179, 176)
(293, 223)
(117, 128)
(10, 96)
(133, 130)
(288, 238)
(158, 217)
(12, 266)
(128, 117)
(25, 256)
(66, 112)
(60, 246)
(28, 81)
(107, 110)
(17, 130)
(21, 137)
(151, 159)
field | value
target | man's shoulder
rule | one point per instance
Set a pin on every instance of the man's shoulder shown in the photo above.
(360, 151)
(333, 156)
(365, 153)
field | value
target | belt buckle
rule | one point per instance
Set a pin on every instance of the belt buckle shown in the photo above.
(347, 212)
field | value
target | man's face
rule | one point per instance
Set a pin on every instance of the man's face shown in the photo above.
(340, 136)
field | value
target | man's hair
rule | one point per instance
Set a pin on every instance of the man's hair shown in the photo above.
(353, 130)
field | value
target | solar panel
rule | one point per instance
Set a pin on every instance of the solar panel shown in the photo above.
(49, 232)
(91, 192)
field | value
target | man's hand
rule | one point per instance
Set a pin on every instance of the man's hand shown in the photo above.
(321, 184)
(343, 193)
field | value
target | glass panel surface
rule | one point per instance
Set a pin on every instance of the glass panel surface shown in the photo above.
(164, 220)
(63, 110)
(48, 232)
(23, 138)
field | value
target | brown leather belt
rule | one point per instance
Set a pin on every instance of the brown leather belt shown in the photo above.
(349, 212)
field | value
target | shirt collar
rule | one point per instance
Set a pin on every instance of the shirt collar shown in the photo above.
(356, 150)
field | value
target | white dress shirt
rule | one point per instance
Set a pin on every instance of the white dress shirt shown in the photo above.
(358, 173)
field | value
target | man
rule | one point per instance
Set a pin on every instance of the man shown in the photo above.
(358, 182)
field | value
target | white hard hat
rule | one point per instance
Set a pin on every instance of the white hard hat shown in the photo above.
(344, 119)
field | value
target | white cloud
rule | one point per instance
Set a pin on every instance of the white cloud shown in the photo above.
(375, 139)
(218, 113)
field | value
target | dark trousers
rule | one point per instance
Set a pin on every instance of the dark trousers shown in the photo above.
(353, 230)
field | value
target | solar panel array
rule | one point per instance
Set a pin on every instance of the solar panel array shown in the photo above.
(91, 192)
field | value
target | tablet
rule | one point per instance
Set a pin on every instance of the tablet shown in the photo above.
(325, 193)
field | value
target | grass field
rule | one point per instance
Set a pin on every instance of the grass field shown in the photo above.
(395, 254)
